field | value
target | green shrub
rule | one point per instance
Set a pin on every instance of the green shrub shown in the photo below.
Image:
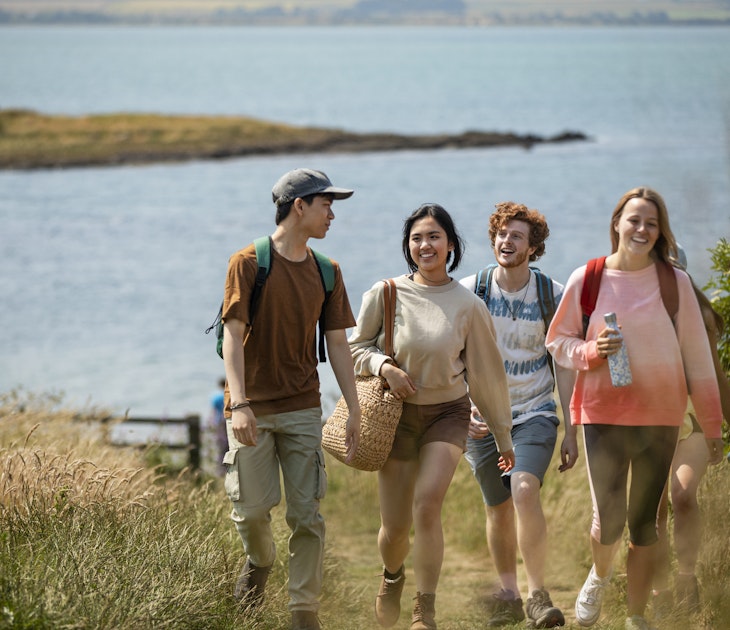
(718, 288)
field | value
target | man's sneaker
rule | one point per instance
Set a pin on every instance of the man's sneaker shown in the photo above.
(304, 620)
(540, 611)
(506, 609)
(250, 584)
(590, 599)
(687, 592)
(387, 603)
(637, 622)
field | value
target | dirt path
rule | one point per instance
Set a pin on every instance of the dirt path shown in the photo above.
(467, 581)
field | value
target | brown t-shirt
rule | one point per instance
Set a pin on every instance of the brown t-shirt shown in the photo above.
(281, 350)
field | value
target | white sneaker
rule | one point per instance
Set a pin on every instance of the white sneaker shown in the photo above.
(590, 599)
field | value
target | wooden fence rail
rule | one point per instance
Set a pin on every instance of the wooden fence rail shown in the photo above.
(172, 433)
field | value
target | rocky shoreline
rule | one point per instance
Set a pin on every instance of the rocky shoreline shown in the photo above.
(29, 140)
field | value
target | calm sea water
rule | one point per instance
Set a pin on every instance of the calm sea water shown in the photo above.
(109, 276)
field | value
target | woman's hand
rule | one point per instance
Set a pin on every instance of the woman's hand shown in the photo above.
(478, 429)
(608, 342)
(399, 383)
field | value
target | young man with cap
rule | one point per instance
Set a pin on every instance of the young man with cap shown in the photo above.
(514, 514)
(272, 401)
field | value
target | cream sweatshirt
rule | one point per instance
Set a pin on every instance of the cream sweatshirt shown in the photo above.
(445, 341)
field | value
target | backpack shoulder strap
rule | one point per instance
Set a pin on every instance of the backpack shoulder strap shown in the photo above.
(546, 300)
(591, 286)
(326, 271)
(263, 256)
(668, 288)
(545, 296)
(592, 283)
(263, 260)
(218, 325)
(483, 283)
(327, 275)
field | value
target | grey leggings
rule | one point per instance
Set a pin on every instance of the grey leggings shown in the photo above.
(610, 452)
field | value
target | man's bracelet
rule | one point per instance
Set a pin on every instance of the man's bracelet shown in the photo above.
(240, 405)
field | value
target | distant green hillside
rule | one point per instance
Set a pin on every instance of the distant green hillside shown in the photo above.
(419, 12)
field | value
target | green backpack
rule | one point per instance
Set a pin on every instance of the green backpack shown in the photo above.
(263, 258)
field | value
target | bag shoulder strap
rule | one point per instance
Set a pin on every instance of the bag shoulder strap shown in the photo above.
(545, 296)
(546, 300)
(327, 275)
(591, 286)
(483, 283)
(592, 283)
(389, 293)
(263, 247)
(326, 271)
(263, 260)
(668, 288)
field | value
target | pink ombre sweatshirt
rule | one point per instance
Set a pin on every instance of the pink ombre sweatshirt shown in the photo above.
(667, 362)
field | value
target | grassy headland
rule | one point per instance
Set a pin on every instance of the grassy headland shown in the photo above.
(91, 536)
(29, 140)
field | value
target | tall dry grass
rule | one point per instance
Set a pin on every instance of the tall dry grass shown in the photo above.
(92, 537)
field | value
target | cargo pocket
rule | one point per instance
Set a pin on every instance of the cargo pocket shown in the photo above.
(231, 482)
(321, 475)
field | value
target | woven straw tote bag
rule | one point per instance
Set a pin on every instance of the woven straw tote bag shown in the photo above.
(381, 410)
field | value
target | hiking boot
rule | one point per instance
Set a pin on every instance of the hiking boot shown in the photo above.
(688, 593)
(662, 603)
(250, 584)
(387, 603)
(506, 609)
(637, 622)
(304, 620)
(540, 611)
(424, 612)
(590, 599)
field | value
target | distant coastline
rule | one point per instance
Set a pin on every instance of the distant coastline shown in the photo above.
(367, 12)
(30, 140)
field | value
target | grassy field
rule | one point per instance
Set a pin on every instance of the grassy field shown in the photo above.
(93, 536)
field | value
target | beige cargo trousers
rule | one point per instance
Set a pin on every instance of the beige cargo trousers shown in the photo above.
(291, 443)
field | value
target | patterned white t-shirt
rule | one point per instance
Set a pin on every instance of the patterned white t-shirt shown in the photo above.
(521, 340)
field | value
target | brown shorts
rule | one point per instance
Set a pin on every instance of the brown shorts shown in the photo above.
(421, 424)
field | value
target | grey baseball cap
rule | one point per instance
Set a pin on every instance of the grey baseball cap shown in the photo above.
(302, 182)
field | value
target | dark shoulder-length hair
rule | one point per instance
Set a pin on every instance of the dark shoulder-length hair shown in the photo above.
(665, 247)
(444, 219)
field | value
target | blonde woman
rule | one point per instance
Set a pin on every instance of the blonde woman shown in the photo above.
(633, 428)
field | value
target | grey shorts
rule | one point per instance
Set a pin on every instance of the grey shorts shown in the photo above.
(534, 443)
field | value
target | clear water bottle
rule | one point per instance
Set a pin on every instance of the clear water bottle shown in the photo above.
(618, 362)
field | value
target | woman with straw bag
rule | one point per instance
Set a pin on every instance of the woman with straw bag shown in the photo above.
(443, 338)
